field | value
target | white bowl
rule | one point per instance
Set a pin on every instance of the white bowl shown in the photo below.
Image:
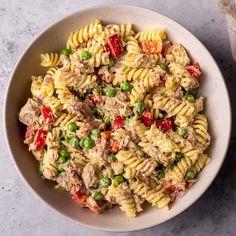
(53, 39)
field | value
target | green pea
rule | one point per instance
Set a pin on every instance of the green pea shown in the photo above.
(97, 196)
(106, 120)
(64, 153)
(61, 160)
(74, 141)
(163, 114)
(105, 182)
(190, 98)
(60, 169)
(163, 66)
(81, 143)
(96, 133)
(161, 174)
(40, 168)
(139, 107)
(125, 86)
(72, 126)
(182, 132)
(110, 64)
(178, 155)
(128, 119)
(65, 51)
(126, 67)
(113, 157)
(86, 55)
(119, 179)
(193, 91)
(97, 89)
(67, 138)
(190, 175)
(89, 143)
(109, 92)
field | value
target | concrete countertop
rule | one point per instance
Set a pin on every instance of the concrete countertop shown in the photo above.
(22, 213)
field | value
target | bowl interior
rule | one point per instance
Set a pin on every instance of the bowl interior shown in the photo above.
(53, 39)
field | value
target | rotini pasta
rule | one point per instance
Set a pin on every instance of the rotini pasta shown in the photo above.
(84, 34)
(146, 166)
(50, 59)
(126, 202)
(156, 196)
(116, 118)
(200, 127)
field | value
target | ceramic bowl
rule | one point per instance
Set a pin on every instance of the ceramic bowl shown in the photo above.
(53, 39)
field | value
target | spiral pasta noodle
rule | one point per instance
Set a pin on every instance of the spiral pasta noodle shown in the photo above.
(50, 59)
(155, 34)
(126, 202)
(175, 107)
(140, 164)
(200, 127)
(154, 196)
(201, 162)
(84, 34)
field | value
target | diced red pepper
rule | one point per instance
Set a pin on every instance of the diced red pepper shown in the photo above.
(48, 116)
(118, 122)
(40, 138)
(80, 198)
(194, 70)
(96, 99)
(167, 49)
(161, 82)
(115, 45)
(150, 47)
(147, 118)
(164, 124)
(114, 147)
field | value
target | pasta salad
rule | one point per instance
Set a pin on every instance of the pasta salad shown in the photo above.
(116, 118)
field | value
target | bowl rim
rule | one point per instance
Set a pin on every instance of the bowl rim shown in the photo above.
(103, 6)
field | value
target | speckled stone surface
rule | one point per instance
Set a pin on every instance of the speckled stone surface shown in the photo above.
(22, 213)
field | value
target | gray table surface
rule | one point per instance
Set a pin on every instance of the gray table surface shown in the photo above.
(21, 213)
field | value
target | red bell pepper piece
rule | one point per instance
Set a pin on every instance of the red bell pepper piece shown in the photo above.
(48, 116)
(118, 122)
(40, 138)
(194, 70)
(164, 124)
(80, 198)
(147, 118)
(115, 45)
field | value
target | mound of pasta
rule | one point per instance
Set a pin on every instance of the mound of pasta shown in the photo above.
(116, 118)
